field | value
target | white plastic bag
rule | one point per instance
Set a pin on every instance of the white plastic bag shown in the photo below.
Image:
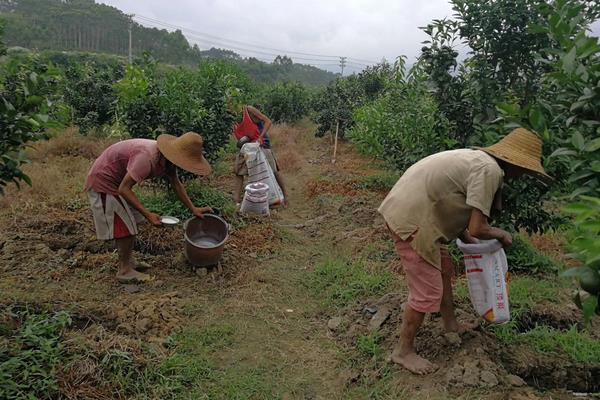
(259, 170)
(487, 277)
(256, 199)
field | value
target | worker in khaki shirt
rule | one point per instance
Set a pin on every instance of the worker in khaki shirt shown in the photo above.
(446, 196)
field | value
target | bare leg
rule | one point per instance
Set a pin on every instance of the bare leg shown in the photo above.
(404, 352)
(239, 187)
(447, 305)
(447, 308)
(279, 179)
(126, 265)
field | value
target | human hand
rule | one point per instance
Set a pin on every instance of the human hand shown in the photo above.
(200, 211)
(467, 238)
(154, 219)
(506, 239)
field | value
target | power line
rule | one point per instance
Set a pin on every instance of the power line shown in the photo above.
(200, 36)
(198, 33)
(342, 64)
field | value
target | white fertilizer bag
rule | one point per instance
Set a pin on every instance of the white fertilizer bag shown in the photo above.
(259, 171)
(487, 277)
(256, 200)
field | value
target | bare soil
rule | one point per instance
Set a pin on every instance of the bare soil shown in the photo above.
(50, 259)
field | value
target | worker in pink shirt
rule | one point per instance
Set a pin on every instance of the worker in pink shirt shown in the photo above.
(116, 209)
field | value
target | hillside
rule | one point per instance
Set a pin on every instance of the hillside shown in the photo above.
(84, 25)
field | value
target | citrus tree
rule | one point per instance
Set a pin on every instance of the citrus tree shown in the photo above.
(25, 111)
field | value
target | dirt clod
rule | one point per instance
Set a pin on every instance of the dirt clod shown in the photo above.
(334, 323)
(149, 317)
(472, 373)
(514, 380)
(382, 314)
(452, 339)
(131, 288)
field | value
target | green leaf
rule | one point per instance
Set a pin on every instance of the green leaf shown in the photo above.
(508, 108)
(563, 151)
(577, 301)
(592, 145)
(576, 208)
(536, 118)
(577, 105)
(589, 307)
(578, 192)
(579, 176)
(578, 141)
(27, 179)
(572, 272)
(595, 166)
(41, 117)
(568, 61)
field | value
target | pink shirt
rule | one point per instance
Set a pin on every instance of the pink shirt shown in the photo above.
(138, 157)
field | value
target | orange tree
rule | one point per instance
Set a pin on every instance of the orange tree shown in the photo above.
(26, 87)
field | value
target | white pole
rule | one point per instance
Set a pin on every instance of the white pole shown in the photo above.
(337, 128)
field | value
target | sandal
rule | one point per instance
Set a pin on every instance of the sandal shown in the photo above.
(142, 278)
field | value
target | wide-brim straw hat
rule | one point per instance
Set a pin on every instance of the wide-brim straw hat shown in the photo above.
(523, 149)
(185, 152)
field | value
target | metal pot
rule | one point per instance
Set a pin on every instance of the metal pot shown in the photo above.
(205, 239)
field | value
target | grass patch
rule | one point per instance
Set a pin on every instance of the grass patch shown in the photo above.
(524, 258)
(193, 371)
(579, 346)
(31, 356)
(165, 202)
(524, 292)
(340, 283)
(369, 344)
(380, 182)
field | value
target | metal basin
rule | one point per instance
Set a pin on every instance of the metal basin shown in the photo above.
(205, 239)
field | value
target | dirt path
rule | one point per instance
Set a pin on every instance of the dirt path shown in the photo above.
(258, 328)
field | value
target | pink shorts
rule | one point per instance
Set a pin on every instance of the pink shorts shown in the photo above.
(425, 284)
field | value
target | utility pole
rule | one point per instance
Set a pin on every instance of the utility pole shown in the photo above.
(130, 27)
(342, 64)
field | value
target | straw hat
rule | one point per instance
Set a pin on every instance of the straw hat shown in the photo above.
(185, 151)
(521, 148)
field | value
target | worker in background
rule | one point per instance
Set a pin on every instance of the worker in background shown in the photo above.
(256, 125)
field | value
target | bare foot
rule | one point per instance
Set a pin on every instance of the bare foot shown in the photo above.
(141, 266)
(414, 363)
(454, 326)
(132, 276)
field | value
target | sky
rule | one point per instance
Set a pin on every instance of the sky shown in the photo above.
(364, 31)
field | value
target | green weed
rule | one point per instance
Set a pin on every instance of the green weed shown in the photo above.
(31, 358)
(524, 292)
(579, 346)
(369, 344)
(165, 202)
(381, 181)
(523, 257)
(461, 290)
(341, 283)
(527, 292)
(122, 370)
(191, 371)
